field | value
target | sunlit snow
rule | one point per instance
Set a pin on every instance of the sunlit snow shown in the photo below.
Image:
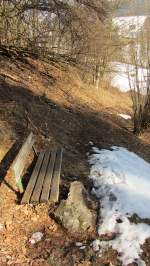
(122, 184)
(124, 77)
(125, 116)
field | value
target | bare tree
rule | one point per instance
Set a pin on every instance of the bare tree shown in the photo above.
(139, 79)
(73, 29)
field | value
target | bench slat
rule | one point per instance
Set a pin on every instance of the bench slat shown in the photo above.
(32, 181)
(48, 178)
(20, 160)
(39, 184)
(54, 195)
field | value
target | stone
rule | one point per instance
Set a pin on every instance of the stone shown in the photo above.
(36, 237)
(75, 213)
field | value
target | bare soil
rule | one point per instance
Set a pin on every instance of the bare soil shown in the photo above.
(53, 102)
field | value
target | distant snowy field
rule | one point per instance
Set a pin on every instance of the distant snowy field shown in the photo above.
(121, 183)
(129, 26)
(122, 73)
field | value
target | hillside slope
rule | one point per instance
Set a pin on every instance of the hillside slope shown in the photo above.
(53, 102)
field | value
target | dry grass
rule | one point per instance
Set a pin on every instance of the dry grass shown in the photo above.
(71, 90)
(117, 100)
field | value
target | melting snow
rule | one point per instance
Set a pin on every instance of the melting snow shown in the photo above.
(122, 182)
(125, 116)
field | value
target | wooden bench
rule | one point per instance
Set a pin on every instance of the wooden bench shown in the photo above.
(43, 185)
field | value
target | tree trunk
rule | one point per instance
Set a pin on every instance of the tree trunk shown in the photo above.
(97, 76)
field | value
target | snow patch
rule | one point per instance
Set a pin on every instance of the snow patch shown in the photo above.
(96, 245)
(126, 117)
(121, 183)
(124, 77)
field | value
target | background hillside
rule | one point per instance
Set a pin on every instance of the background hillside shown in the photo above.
(134, 8)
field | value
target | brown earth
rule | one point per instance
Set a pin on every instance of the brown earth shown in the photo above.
(53, 102)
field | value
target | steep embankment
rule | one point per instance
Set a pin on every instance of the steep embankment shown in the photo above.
(53, 102)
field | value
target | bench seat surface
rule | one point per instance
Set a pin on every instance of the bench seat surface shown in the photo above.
(44, 182)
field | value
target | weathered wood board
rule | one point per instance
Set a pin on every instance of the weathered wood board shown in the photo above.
(44, 182)
(20, 161)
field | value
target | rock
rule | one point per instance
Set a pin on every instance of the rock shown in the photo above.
(74, 213)
(36, 237)
(96, 245)
(79, 244)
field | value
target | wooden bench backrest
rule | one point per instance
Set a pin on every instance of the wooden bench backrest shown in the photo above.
(20, 161)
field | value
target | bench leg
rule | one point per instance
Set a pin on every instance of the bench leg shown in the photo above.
(20, 186)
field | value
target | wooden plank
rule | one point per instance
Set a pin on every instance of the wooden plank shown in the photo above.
(33, 178)
(39, 184)
(54, 194)
(48, 177)
(18, 165)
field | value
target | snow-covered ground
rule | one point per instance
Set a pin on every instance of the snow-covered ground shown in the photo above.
(125, 116)
(124, 76)
(122, 184)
